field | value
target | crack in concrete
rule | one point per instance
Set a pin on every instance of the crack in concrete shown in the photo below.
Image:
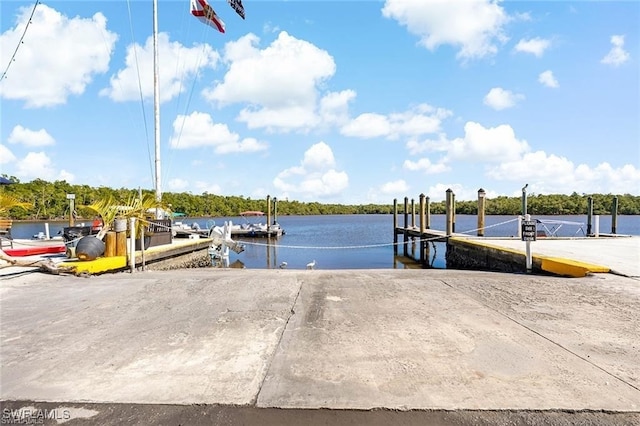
(292, 312)
(548, 339)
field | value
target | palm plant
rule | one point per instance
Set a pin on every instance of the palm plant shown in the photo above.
(7, 202)
(110, 210)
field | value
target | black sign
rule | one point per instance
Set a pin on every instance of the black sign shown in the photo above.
(529, 230)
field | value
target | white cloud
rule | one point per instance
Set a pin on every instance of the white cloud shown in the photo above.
(417, 147)
(397, 187)
(334, 107)
(178, 184)
(475, 27)
(6, 156)
(316, 176)
(29, 137)
(37, 165)
(499, 98)
(549, 173)
(178, 64)
(617, 55)
(368, 125)
(548, 79)
(492, 145)
(280, 82)
(211, 188)
(198, 130)
(318, 157)
(535, 46)
(425, 165)
(38, 75)
(420, 120)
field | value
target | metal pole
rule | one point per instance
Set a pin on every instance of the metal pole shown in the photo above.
(524, 199)
(156, 102)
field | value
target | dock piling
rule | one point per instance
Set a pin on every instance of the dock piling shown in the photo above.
(422, 241)
(589, 214)
(405, 236)
(448, 211)
(413, 213)
(614, 215)
(395, 226)
(481, 206)
(268, 212)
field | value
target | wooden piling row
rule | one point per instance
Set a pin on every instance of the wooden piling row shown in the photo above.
(426, 234)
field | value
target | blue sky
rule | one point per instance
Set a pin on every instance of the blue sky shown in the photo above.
(342, 102)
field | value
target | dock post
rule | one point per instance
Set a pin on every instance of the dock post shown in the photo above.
(275, 210)
(405, 237)
(589, 214)
(413, 213)
(524, 199)
(453, 211)
(449, 216)
(132, 244)
(614, 215)
(422, 239)
(72, 208)
(268, 214)
(395, 226)
(427, 222)
(481, 202)
(529, 260)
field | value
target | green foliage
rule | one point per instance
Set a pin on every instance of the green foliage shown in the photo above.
(47, 200)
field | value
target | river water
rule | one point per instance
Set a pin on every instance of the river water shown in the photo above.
(356, 241)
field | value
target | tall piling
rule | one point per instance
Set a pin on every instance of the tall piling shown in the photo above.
(268, 213)
(449, 213)
(422, 241)
(614, 215)
(589, 214)
(453, 211)
(395, 226)
(481, 207)
(405, 234)
(413, 214)
(427, 213)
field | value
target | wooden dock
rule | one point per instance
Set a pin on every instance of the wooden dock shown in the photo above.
(572, 257)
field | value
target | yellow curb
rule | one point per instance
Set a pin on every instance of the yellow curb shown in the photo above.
(570, 268)
(97, 266)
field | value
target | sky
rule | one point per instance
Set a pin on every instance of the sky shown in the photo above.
(349, 102)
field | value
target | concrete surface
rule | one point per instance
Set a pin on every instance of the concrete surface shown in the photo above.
(620, 254)
(361, 339)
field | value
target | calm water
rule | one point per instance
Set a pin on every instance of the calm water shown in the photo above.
(355, 241)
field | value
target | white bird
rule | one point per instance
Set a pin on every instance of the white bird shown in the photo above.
(283, 265)
(311, 265)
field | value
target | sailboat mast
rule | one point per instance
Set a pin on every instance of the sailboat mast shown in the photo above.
(156, 102)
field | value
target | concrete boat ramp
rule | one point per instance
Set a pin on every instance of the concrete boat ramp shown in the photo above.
(409, 346)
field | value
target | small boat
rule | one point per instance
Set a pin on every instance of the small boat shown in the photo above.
(256, 229)
(35, 250)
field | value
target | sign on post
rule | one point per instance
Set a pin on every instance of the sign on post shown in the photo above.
(529, 230)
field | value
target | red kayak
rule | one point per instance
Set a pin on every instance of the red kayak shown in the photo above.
(32, 251)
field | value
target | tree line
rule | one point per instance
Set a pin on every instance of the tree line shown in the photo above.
(48, 201)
